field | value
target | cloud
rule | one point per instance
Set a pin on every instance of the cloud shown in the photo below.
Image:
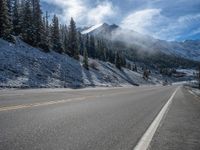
(69, 8)
(99, 13)
(153, 22)
(168, 20)
(83, 12)
(194, 32)
(140, 20)
(180, 28)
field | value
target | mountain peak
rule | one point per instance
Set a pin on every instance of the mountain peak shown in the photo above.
(92, 28)
(102, 27)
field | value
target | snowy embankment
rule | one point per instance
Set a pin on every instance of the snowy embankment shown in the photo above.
(22, 66)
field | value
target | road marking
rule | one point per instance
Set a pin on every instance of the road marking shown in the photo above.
(38, 104)
(146, 139)
(69, 90)
(7, 108)
(23, 106)
(12, 94)
(191, 92)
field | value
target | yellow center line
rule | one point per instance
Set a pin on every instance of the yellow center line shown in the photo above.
(23, 106)
(38, 104)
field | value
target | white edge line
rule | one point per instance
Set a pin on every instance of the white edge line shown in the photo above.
(146, 139)
(191, 92)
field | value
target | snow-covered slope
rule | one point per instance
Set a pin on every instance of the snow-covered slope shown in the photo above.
(91, 28)
(102, 29)
(24, 66)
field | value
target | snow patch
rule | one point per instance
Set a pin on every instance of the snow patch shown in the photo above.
(91, 29)
(188, 72)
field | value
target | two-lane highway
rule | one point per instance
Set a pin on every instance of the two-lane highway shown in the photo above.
(89, 119)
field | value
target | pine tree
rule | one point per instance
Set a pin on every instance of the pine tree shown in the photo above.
(65, 44)
(111, 56)
(9, 5)
(37, 23)
(10, 12)
(21, 8)
(92, 51)
(27, 26)
(103, 51)
(44, 44)
(85, 59)
(47, 30)
(134, 68)
(16, 18)
(118, 61)
(100, 50)
(80, 43)
(73, 45)
(87, 43)
(146, 74)
(123, 60)
(64, 38)
(5, 24)
(55, 35)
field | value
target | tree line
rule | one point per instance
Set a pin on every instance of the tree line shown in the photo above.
(25, 19)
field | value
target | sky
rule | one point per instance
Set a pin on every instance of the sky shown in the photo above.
(163, 19)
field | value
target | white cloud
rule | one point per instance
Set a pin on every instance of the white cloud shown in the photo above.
(189, 18)
(69, 8)
(83, 13)
(152, 22)
(99, 13)
(194, 32)
(140, 20)
(175, 29)
(157, 18)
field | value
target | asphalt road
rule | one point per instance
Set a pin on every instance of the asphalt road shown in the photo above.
(180, 129)
(89, 119)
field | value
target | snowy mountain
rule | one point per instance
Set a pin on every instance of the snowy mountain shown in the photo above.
(103, 29)
(91, 29)
(24, 66)
(188, 49)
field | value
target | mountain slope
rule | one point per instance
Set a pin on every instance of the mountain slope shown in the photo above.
(24, 66)
(188, 49)
(102, 29)
(91, 29)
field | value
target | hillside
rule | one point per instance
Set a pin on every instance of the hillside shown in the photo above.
(189, 49)
(23, 66)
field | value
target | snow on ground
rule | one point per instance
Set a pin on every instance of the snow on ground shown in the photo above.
(193, 87)
(91, 29)
(22, 66)
(188, 72)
